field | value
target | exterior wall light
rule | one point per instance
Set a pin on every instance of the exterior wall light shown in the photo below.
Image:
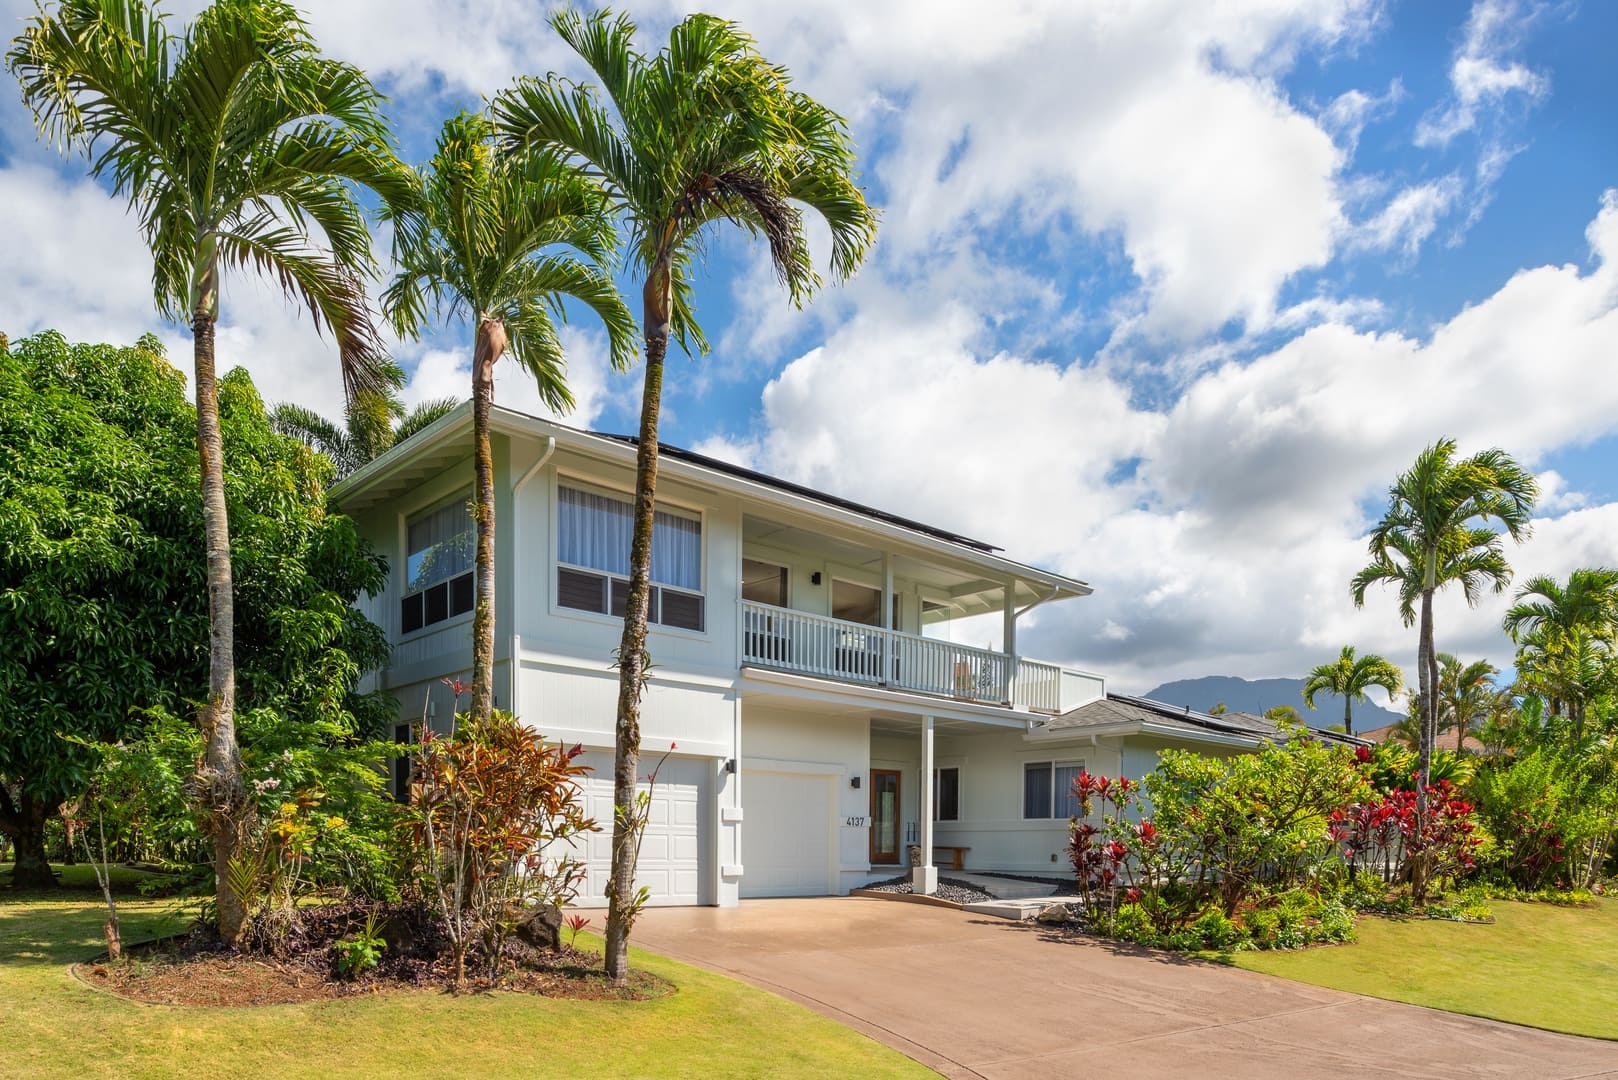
(853, 781)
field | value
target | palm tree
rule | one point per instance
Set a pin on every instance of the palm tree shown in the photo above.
(705, 131)
(1350, 677)
(1589, 600)
(1436, 531)
(1569, 668)
(237, 144)
(496, 238)
(378, 423)
(1466, 694)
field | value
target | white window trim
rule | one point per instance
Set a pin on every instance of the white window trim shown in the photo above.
(1052, 764)
(959, 815)
(561, 480)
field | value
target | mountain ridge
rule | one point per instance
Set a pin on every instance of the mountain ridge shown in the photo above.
(1257, 695)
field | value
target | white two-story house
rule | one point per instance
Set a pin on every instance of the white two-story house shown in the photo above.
(803, 663)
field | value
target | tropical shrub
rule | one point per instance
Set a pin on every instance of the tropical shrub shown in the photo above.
(362, 951)
(494, 809)
(1553, 815)
(1388, 835)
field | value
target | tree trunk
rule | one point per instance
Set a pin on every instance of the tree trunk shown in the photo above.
(25, 825)
(1427, 661)
(219, 775)
(1348, 714)
(632, 657)
(491, 342)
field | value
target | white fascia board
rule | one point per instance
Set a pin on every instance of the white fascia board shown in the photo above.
(624, 454)
(810, 688)
(440, 430)
(1141, 727)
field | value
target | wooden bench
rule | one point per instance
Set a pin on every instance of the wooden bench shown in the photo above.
(957, 855)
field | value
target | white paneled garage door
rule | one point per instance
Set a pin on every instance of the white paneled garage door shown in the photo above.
(673, 853)
(787, 833)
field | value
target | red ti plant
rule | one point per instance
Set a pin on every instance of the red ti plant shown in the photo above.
(576, 923)
(1390, 834)
(1100, 855)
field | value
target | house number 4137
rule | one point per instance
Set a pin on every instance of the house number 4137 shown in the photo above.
(854, 822)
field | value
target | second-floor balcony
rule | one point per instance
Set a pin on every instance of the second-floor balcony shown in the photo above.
(818, 645)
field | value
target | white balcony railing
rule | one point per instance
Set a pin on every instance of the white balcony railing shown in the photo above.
(809, 644)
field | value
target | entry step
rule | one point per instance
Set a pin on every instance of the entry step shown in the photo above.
(1010, 909)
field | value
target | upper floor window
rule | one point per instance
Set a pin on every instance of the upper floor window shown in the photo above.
(438, 566)
(593, 537)
(764, 583)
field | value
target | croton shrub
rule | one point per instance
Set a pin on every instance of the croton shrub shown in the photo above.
(1258, 850)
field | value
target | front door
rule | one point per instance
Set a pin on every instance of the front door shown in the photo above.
(885, 816)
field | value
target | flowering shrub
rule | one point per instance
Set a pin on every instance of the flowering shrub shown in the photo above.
(1553, 816)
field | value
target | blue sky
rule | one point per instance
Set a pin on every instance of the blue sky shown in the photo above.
(1164, 296)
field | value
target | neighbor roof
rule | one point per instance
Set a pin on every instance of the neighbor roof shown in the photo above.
(1143, 714)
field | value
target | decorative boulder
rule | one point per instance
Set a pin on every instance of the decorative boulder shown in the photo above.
(1055, 914)
(539, 926)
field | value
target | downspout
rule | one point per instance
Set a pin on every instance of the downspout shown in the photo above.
(516, 593)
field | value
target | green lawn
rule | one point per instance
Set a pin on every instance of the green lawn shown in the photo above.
(1545, 966)
(711, 1026)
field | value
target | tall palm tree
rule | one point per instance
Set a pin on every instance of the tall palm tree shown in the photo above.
(705, 131)
(1350, 676)
(496, 238)
(237, 144)
(1569, 668)
(1466, 694)
(1589, 601)
(1437, 531)
(378, 423)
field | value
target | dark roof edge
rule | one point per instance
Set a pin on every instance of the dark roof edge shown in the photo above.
(1215, 723)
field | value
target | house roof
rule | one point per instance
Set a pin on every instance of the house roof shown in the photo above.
(445, 442)
(1391, 733)
(1124, 714)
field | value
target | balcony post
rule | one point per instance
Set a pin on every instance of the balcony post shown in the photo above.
(924, 877)
(885, 652)
(1008, 644)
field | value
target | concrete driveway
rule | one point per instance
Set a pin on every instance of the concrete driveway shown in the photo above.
(973, 996)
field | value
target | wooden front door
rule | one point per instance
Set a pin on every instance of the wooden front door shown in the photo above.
(885, 816)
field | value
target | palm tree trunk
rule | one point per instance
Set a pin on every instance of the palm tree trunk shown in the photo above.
(632, 656)
(1348, 714)
(219, 776)
(491, 342)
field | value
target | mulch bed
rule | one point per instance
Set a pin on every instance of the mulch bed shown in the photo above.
(198, 969)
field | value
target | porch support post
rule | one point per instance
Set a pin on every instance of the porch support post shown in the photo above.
(924, 875)
(1008, 643)
(886, 652)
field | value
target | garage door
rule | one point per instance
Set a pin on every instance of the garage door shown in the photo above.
(786, 834)
(673, 851)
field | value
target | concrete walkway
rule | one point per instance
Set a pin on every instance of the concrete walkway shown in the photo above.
(973, 996)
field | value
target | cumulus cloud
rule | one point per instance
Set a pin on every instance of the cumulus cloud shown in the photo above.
(1157, 122)
(1220, 530)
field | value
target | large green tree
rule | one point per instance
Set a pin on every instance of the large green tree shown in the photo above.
(705, 131)
(240, 147)
(1439, 529)
(101, 599)
(497, 238)
(1350, 676)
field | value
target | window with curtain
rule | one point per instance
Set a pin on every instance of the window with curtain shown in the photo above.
(1047, 789)
(438, 566)
(593, 535)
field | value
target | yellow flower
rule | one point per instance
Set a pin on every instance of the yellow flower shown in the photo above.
(334, 822)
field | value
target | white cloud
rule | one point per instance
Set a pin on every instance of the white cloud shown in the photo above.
(1220, 531)
(1409, 218)
(1482, 74)
(1346, 115)
(1160, 123)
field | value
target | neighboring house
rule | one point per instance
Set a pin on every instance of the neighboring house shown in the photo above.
(802, 662)
(1445, 741)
